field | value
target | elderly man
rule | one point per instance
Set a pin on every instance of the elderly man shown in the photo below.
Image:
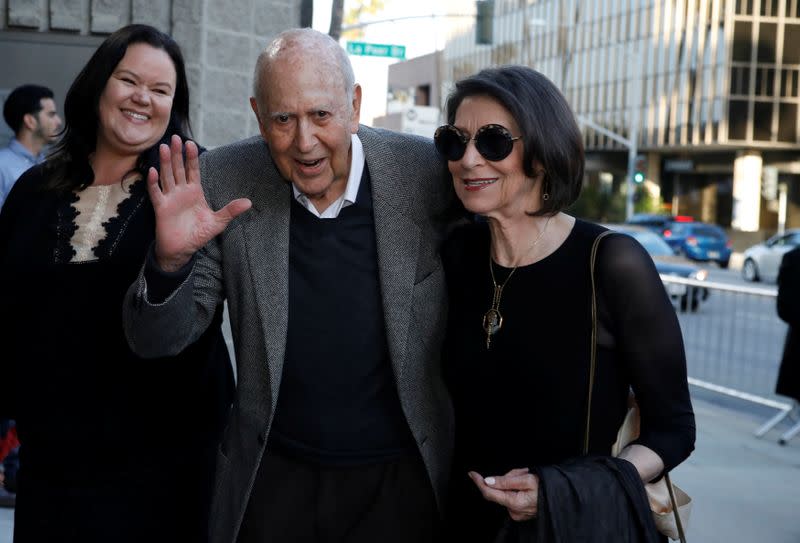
(341, 429)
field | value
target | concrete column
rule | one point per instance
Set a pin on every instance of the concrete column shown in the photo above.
(653, 180)
(708, 203)
(747, 191)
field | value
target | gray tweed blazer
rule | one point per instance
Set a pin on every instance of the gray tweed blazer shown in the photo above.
(248, 265)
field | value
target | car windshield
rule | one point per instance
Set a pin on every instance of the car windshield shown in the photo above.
(652, 243)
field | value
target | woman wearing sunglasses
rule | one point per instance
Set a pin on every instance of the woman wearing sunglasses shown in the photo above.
(518, 350)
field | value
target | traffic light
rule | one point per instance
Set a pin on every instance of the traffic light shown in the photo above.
(640, 170)
(484, 21)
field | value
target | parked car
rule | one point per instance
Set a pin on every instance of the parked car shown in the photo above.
(656, 222)
(763, 260)
(699, 241)
(668, 263)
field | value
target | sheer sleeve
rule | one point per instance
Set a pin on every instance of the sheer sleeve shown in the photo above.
(636, 310)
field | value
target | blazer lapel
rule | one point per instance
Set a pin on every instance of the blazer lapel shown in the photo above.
(397, 238)
(267, 242)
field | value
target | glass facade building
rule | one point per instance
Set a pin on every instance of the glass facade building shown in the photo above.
(712, 87)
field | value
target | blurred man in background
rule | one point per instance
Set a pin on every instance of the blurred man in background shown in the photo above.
(30, 112)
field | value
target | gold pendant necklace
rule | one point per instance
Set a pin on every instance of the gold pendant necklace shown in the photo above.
(493, 319)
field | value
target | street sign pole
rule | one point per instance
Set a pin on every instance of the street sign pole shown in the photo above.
(633, 136)
(631, 142)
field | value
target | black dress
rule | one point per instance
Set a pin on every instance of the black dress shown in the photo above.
(114, 447)
(522, 403)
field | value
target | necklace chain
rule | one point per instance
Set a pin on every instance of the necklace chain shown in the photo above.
(493, 319)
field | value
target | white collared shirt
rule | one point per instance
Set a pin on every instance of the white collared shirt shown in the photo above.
(348, 197)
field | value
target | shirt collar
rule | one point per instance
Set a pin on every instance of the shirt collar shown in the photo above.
(20, 149)
(357, 162)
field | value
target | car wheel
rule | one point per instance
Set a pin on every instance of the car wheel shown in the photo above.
(724, 264)
(750, 270)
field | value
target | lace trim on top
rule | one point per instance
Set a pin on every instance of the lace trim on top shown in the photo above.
(92, 208)
(100, 214)
(117, 225)
(65, 228)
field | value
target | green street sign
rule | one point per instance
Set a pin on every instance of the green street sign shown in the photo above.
(376, 49)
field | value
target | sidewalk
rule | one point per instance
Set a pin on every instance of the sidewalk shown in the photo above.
(745, 490)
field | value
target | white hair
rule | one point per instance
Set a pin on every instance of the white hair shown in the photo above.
(310, 41)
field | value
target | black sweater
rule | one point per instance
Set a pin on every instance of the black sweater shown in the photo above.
(94, 419)
(338, 402)
(522, 403)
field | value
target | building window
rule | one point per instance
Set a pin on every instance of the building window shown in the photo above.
(769, 8)
(762, 121)
(791, 43)
(737, 120)
(767, 34)
(789, 83)
(740, 80)
(765, 79)
(422, 96)
(787, 123)
(744, 7)
(742, 41)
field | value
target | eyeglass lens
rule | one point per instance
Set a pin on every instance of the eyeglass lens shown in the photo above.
(493, 142)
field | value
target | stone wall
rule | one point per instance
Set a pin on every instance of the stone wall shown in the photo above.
(220, 40)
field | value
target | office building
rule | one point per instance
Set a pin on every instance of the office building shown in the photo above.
(709, 89)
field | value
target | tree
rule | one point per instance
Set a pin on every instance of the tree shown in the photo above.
(352, 17)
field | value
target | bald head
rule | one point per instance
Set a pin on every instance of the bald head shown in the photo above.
(302, 45)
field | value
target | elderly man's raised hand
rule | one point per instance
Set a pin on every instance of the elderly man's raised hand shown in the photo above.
(184, 221)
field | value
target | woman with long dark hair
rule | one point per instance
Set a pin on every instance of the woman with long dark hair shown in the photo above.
(114, 447)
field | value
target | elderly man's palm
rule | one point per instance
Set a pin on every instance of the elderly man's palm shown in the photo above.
(184, 221)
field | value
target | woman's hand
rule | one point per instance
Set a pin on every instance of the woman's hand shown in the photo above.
(517, 491)
(645, 460)
(184, 221)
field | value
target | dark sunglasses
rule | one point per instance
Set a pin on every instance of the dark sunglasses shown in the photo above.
(493, 141)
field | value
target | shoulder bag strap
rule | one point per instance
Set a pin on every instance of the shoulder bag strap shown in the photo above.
(593, 358)
(592, 367)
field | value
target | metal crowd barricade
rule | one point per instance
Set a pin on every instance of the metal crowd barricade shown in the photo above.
(734, 343)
